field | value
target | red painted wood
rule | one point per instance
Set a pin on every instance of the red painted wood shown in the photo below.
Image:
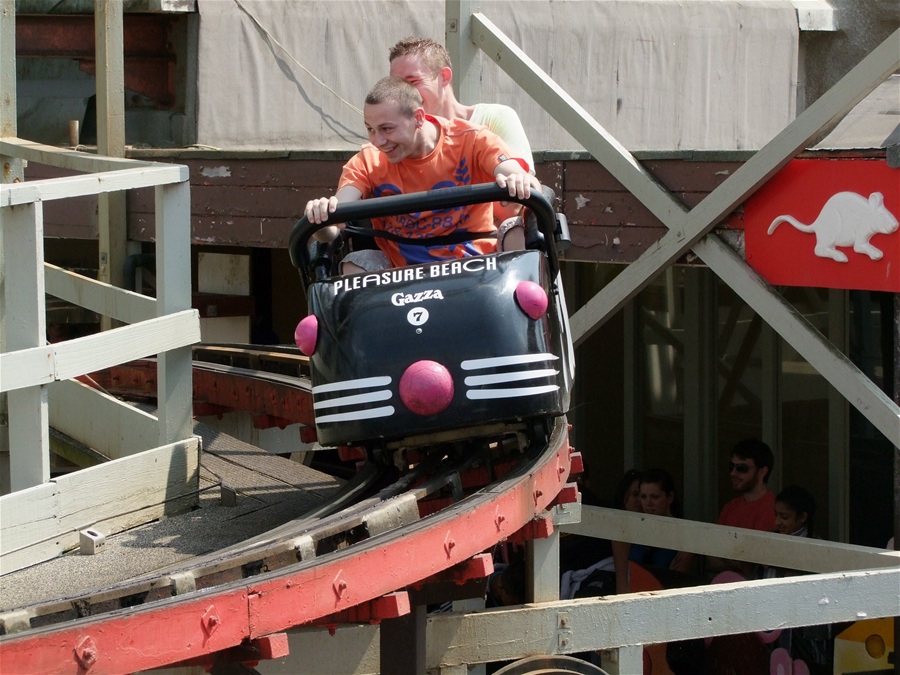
(125, 643)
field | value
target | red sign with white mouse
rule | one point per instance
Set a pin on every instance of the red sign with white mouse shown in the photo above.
(830, 223)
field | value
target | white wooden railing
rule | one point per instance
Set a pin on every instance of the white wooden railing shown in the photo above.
(158, 457)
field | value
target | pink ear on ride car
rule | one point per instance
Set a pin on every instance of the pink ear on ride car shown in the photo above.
(531, 299)
(306, 334)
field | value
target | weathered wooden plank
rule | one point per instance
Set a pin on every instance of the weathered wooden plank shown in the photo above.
(768, 548)
(256, 202)
(253, 200)
(306, 177)
(661, 616)
(95, 183)
(28, 521)
(96, 296)
(221, 230)
(277, 172)
(100, 421)
(39, 523)
(691, 176)
(603, 243)
(71, 160)
(66, 360)
(608, 208)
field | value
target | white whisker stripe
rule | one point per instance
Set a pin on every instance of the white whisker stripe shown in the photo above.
(494, 362)
(380, 395)
(363, 383)
(480, 394)
(372, 413)
(476, 380)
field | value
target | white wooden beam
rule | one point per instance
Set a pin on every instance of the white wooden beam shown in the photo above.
(116, 303)
(24, 328)
(100, 421)
(815, 15)
(173, 272)
(800, 553)
(463, 52)
(661, 616)
(8, 111)
(66, 360)
(90, 184)
(43, 521)
(65, 158)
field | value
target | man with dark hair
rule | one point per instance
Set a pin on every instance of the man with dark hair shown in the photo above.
(754, 507)
(750, 468)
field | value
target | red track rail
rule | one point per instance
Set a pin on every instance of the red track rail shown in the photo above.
(196, 626)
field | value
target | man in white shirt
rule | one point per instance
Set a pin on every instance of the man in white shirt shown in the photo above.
(425, 64)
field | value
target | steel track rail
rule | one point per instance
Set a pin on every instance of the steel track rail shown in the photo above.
(314, 567)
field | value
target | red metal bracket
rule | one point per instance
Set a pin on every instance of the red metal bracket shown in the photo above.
(250, 653)
(388, 606)
(539, 527)
(477, 567)
(568, 495)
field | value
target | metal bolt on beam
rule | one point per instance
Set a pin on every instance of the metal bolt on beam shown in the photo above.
(86, 653)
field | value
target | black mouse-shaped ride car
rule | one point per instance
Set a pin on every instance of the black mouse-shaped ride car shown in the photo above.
(473, 348)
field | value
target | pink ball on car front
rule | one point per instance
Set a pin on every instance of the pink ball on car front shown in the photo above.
(532, 299)
(306, 334)
(426, 388)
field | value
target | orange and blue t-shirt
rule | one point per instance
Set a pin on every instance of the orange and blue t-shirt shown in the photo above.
(465, 154)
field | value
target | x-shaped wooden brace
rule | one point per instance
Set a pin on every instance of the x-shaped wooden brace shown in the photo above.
(693, 229)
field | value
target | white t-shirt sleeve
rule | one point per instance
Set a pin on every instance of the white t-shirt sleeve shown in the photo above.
(505, 122)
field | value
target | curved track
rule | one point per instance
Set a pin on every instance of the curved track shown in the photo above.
(350, 560)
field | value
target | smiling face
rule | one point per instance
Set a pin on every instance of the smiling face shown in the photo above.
(745, 475)
(655, 500)
(393, 131)
(413, 69)
(787, 520)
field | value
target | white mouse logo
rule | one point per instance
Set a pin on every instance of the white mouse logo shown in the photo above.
(847, 219)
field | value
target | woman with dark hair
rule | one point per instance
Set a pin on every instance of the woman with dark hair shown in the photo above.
(628, 492)
(658, 498)
(592, 567)
(795, 511)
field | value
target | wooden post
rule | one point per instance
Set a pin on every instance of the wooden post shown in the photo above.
(12, 171)
(403, 643)
(111, 214)
(25, 326)
(463, 53)
(173, 271)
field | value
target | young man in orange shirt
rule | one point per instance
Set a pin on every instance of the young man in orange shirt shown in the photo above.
(411, 151)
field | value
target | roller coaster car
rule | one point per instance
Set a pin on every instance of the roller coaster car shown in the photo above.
(465, 348)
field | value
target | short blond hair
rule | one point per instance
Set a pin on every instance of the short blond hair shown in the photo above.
(434, 55)
(399, 91)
